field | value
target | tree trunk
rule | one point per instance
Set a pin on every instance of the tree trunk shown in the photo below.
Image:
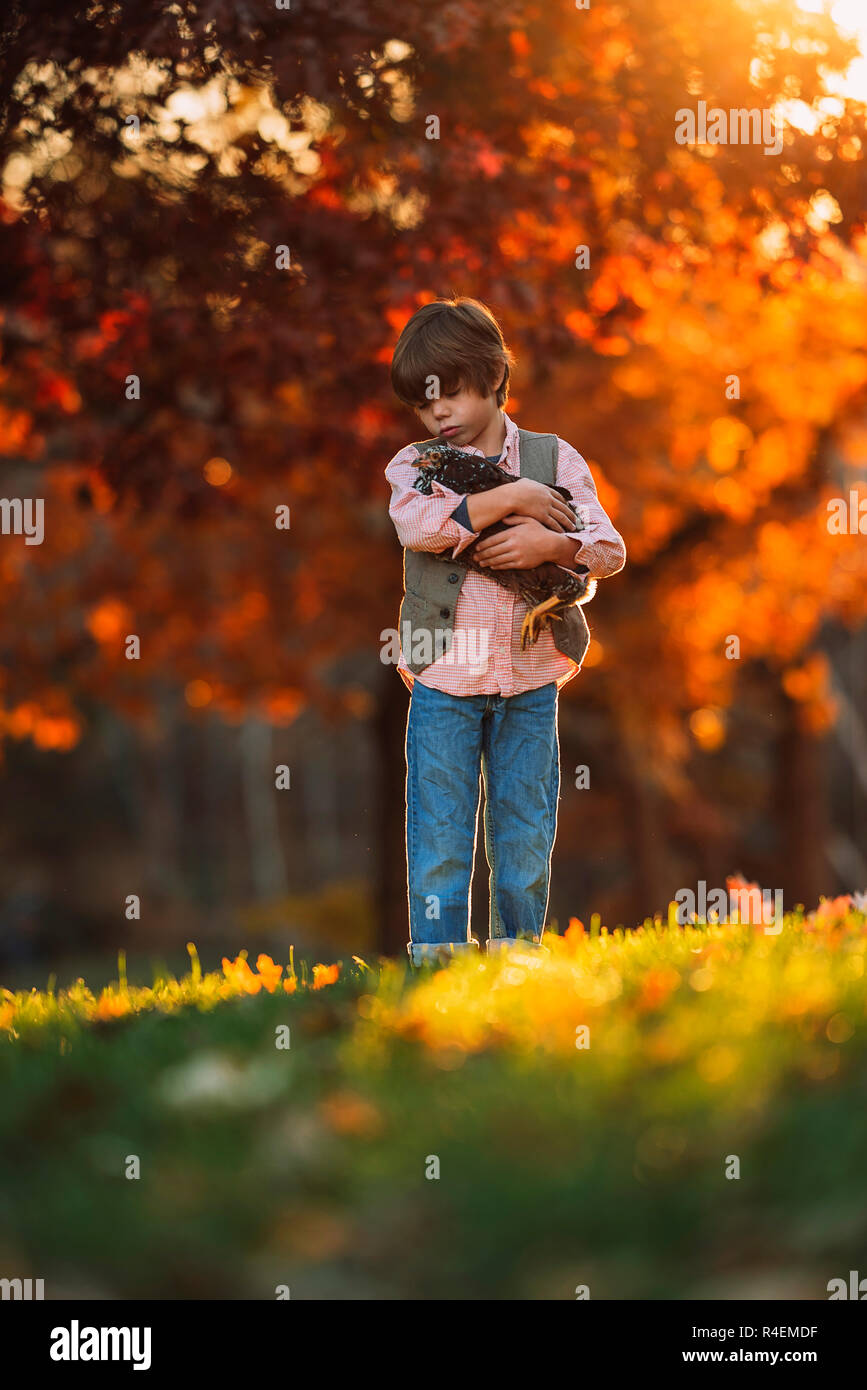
(802, 802)
(267, 864)
(165, 881)
(643, 829)
(320, 797)
(389, 733)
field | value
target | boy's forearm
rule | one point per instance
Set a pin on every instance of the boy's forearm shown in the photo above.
(484, 508)
(564, 550)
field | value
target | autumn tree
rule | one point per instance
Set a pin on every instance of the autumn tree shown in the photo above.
(216, 220)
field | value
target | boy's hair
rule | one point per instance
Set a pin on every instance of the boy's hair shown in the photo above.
(457, 340)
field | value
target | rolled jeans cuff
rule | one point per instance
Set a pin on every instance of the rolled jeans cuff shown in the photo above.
(431, 953)
(505, 943)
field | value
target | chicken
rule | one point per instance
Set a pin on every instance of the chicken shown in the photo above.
(547, 589)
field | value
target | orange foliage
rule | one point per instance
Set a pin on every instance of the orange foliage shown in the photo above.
(325, 975)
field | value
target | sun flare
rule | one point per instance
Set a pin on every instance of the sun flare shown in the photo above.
(850, 17)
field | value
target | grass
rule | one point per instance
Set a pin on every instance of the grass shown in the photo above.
(586, 1112)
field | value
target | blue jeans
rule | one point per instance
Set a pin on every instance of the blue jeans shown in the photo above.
(512, 740)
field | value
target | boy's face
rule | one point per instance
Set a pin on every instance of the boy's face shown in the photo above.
(459, 416)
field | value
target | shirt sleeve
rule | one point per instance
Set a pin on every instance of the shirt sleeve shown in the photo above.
(426, 522)
(600, 547)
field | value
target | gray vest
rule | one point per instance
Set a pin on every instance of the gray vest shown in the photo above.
(432, 585)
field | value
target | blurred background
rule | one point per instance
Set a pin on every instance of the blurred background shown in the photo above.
(215, 221)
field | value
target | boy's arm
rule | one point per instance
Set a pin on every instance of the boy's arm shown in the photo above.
(440, 519)
(600, 548)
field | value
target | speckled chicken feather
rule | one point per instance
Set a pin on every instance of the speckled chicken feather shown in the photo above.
(547, 589)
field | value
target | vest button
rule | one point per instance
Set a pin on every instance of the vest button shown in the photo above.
(453, 578)
(444, 612)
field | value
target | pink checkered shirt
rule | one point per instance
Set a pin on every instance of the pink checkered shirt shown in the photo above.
(483, 606)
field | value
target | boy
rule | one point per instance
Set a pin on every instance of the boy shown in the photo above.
(483, 704)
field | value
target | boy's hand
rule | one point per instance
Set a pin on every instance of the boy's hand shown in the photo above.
(543, 504)
(526, 545)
